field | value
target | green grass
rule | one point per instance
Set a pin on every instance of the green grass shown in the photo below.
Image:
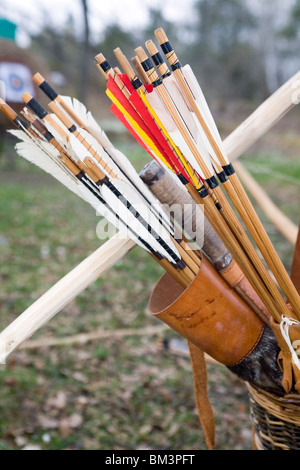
(114, 393)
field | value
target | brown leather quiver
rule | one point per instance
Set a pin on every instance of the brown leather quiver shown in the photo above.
(209, 314)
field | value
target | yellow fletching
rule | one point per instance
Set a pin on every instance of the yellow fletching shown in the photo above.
(164, 131)
(137, 128)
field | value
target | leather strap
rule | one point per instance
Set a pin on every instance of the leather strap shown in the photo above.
(205, 411)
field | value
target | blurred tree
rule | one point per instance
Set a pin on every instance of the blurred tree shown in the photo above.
(85, 59)
(222, 52)
(292, 29)
(115, 36)
(68, 54)
(234, 46)
(59, 48)
(272, 15)
(158, 20)
(291, 34)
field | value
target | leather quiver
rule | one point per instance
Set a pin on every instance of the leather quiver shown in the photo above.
(209, 314)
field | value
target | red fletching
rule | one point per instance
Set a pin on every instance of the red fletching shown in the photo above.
(139, 112)
(115, 110)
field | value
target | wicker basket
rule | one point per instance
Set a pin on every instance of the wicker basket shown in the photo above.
(275, 420)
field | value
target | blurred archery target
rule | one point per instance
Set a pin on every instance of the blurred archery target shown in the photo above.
(2, 90)
(18, 79)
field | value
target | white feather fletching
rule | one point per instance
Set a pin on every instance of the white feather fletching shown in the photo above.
(134, 190)
(87, 118)
(201, 102)
(134, 178)
(170, 126)
(40, 156)
(130, 193)
(78, 151)
(118, 161)
(44, 155)
(188, 118)
(145, 212)
(109, 215)
(171, 85)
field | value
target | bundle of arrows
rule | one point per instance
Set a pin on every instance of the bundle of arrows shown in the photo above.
(230, 296)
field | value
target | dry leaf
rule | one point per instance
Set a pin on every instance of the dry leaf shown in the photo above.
(75, 420)
(59, 401)
(80, 377)
(67, 424)
(47, 423)
(21, 441)
(145, 430)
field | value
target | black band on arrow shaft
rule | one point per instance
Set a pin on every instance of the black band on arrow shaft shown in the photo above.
(48, 136)
(136, 83)
(20, 122)
(157, 59)
(181, 265)
(203, 192)
(80, 175)
(176, 66)
(166, 47)
(105, 66)
(212, 182)
(147, 65)
(222, 177)
(48, 90)
(156, 254)
(229, 170)
(183, 179)
(37, 108)
(157, 83)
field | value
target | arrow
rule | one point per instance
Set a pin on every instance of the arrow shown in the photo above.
(163, 243)
(266, 296)
(233, 186)
(228, 213)
(233, 247)
(129, 100)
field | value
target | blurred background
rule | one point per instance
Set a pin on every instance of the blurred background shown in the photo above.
(240, 50)
(126, 393)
